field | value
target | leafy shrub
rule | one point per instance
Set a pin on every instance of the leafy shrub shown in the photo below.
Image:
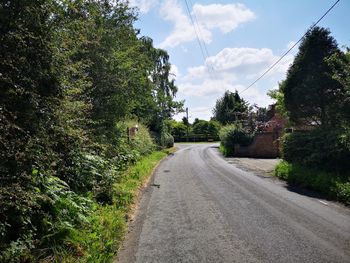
(103, 173)
(17, 208)
(333, 185)
(209, 128)
(41, 216)
(322, 149)
(231, 135)
(143, 143)
(167, 140)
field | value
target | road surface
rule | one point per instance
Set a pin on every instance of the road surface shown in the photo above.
(200, 208)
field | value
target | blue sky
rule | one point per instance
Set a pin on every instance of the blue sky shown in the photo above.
(242, 38)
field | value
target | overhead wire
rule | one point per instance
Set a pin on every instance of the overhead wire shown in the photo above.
(286, 53)
(204, 44)
(197, 30)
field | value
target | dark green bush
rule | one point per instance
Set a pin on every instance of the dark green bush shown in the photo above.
(322, 149)
(331, 184)
(231, 135)
(167, 140)
(142, 142)
(38, 217)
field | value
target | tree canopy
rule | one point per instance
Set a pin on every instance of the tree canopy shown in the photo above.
(72, 74)
(229, 108)
(310, 92)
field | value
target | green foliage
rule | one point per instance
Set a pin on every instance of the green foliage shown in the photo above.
(200, 130)
(340, 66)
(166, 140)
(322, 149)
(49, 211)
(331, 184)
(230, 108)
(99, 240)
(71, 73)
(176, 129)
(316, 97)
(310, 94)
(158, 106)
(278, 96)
(209, 128)
(231, 135)
(143, 143)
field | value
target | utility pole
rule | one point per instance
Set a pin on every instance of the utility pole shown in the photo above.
(188, 123)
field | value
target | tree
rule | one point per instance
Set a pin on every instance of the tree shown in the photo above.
(278, 96)
(200, 127)
(160, 101)
(340, 65)
(257, 117)
(30, 93)
(230, 108)
(311, 95)
(177, 129)
(208, 128)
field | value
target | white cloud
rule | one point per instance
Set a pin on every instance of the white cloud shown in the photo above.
(183, 29)
(233, 69)
(208, 87)
(143, 5)
(209, 17)
(242, 63)
(224, 17)
(202, 113)
(174, 72)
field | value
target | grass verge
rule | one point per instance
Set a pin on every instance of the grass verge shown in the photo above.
(333, 185)
(100, 239)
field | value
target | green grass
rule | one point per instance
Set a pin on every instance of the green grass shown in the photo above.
(134, 177)
(333, 185)
(100, 239)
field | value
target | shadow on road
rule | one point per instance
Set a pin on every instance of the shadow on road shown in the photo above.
(306, 192)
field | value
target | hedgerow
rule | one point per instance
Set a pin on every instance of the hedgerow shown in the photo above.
(233, 134)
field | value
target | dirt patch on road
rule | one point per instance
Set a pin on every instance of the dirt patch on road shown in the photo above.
(260, 167)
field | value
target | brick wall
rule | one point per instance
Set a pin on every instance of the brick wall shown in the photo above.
(264, 145)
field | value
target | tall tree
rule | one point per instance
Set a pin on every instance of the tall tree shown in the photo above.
(340, 64)
(30, 91)
(230, 108)
(311, 95)
(160, 102)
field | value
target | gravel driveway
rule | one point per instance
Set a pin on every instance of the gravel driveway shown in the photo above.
(260, 167)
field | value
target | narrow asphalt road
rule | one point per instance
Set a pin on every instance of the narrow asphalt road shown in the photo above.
(207, 210)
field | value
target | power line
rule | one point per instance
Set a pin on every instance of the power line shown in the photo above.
(274, 64)
(202, 45)
(199, 30)
(210, 67)
(195, 30)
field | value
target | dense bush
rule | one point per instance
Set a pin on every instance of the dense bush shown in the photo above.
(331, 184)
(38, 217)
(207, 128)
(71, 71)
(231, 135)
(167, 140)
(142, 142)
(322, 149)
